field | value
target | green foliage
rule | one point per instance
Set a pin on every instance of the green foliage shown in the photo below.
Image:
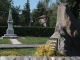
(15, 15)
(34, 16)
(25, 16)
(36, 13)
(29, 31)
(46, 3)
(43, 8)
(44, 50)
(5, 5)
(47, 50)
(52, 15)
(9, 53)
(34, 31)
(53, 18)
(40, 8)
(2, 30)
(22, 18)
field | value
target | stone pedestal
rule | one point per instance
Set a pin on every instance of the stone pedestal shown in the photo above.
(10, 30)
(12, 36)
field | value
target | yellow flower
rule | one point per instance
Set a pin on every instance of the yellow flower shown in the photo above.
(44, 50)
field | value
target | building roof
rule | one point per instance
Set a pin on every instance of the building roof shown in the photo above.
(43, 16)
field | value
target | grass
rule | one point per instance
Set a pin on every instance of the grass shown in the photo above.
(25, 40)
(23, 51)
(33, 40)
(5, 41)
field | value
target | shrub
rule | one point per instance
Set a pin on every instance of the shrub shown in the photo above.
(56, 53)
(29, 31)
(47, 50)
(10, 53)
(44, 50)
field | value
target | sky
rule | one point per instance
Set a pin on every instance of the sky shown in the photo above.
(33, 3)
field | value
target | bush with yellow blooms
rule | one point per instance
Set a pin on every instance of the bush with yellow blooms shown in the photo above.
(9, 53)
(44, 50)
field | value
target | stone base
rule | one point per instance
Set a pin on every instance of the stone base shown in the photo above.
(10, 36)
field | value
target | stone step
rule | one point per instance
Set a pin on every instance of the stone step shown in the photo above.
(53, 43)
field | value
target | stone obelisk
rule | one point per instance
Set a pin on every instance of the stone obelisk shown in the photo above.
(10, 30)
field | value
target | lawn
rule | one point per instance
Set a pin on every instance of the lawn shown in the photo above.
(25, 40)
(5, 41)
(33, 40)
(22, 51)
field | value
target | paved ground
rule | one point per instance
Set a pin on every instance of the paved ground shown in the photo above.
(18, 46)
(15, 41)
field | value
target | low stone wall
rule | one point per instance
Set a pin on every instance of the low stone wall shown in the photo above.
(37, 58)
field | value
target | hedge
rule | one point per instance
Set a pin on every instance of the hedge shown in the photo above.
(30, 31)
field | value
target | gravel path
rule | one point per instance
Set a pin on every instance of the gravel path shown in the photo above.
(15, 41)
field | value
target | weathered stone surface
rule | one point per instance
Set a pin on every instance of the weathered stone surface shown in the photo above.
(53, 58)
(74, 58)
(12, 57)
(67, 31)
(78, 57)
(26, 58)
(4, 58)
(61, 58)
(35, 58)
(38, 58)
(67, 58)
(15, 57)
(45, 58)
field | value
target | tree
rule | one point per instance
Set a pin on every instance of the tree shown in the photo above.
(34, 16)
(22, 18)
(40, 8)
(26, 14)
(51, 11)
(36, 13)
(5, 5)
(52, 15)
(27, 20)
(15, 15)
(46, 3)
(4, 8)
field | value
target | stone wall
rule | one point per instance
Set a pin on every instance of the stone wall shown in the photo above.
(37, 58)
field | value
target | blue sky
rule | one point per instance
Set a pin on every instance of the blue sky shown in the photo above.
(33, 3)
